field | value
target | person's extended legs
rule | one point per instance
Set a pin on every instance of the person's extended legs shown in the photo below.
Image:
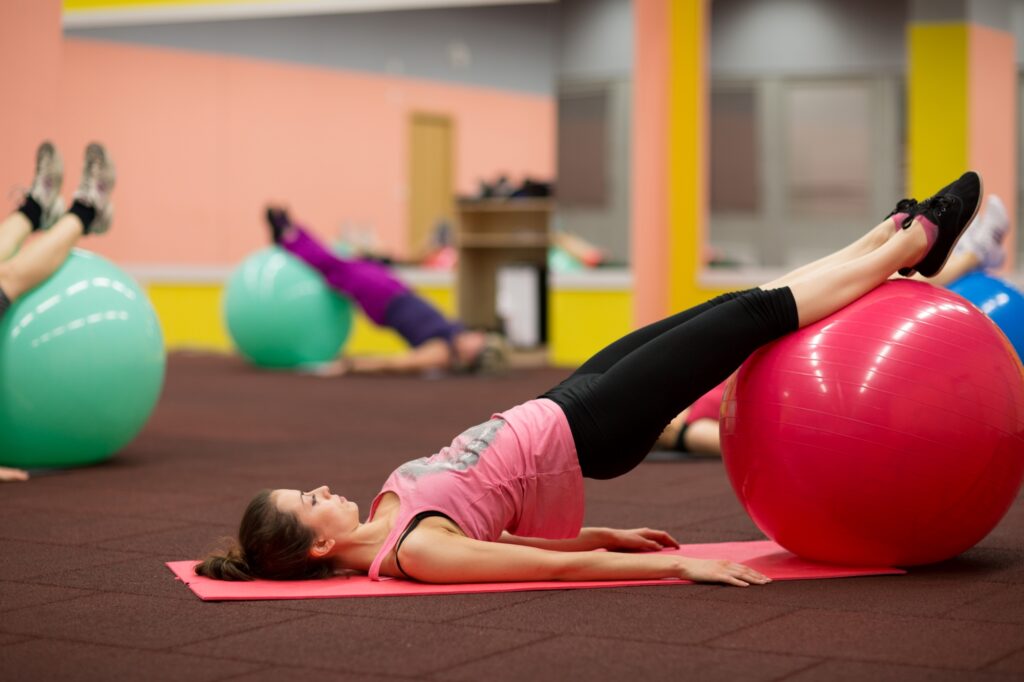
(91, 212)
(615, 351)
(927, 241)
(42, 203)
(821, 293)
(436, 341)
(865, 244)
(626, 408)
(369, 284)
(40, 258)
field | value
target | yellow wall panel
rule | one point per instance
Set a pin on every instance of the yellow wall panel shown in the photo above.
(688, 166)
(583, 322)
(192, 319)
(937, 105)
(190, 315)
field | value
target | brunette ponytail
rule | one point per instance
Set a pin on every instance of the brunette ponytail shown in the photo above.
(230, 565)
(272, 545)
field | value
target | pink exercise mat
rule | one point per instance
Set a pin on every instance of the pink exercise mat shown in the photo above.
(764, 556)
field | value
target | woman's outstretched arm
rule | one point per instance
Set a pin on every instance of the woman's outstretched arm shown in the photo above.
(441, 556)
(614, 539)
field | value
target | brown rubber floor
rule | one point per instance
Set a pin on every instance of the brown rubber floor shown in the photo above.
(84, 594)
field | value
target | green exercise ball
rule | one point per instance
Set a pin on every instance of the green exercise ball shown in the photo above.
(81, 366)
(282, 315)
(560, 260)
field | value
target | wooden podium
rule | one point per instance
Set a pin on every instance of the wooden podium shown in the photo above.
(492, 233)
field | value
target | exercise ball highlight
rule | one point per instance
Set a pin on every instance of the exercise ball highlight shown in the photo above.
(82, 361)
(280, 313)
(890, 433)
(998, 299)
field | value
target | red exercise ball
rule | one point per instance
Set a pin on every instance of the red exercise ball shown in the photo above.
(890, 433)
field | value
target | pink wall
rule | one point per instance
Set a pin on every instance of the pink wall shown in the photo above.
(30, 55)
(203, 141)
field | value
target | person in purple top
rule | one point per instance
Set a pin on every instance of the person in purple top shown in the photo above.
(436, 342)
(504, 501)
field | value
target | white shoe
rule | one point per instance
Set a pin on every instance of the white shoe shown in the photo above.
(45, 189)
(984, 239)
(98, 178)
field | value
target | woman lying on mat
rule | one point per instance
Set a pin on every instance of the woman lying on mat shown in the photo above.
(504, 502)
(695, 429)
(435, 341)
(42, 210)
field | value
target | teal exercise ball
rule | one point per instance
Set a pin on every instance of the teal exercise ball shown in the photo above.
(280, 313)
(81, 366)
(560, 260)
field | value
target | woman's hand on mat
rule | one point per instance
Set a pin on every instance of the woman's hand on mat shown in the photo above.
(722, 571)
(637, 540)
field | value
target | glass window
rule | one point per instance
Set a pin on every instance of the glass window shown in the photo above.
(828, 146)
(734, 150)
(583, 148)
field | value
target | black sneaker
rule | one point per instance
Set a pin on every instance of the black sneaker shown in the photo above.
(279, 221)
(904, 206)
(951, 211)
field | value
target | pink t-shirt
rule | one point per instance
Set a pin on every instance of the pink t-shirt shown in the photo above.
(517, 472)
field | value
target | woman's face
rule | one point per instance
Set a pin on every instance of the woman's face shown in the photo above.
(328, 516)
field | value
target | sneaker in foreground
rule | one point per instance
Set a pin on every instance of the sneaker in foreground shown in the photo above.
(45, 189)
(945, 217)
(98, 178)
(984, 239)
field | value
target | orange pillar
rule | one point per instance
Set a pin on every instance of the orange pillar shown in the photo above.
(649, 233)
(670, 156)
(992, 116)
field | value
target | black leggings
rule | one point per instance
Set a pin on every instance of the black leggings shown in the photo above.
(619, 401)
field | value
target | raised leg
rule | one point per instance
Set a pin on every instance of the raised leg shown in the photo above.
(40, 258)
(13, 231)
(90, 212)
(867, 243)
(822, 292)
(42, 205)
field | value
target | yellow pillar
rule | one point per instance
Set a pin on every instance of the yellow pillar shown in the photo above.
(688, 167)
(670, 158)
(962, 108)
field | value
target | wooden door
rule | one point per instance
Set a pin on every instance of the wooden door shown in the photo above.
(431, 179)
